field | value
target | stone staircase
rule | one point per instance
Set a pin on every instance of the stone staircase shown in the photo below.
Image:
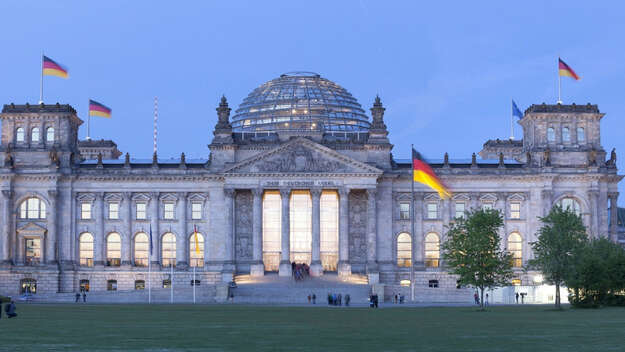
(203, 294)
(273, 289)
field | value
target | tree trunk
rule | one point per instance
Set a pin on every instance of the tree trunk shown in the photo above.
(482, 298)
(557, 295)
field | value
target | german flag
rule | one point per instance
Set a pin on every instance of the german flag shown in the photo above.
(423, 173)
(51, 68)
(97, 109)
(565, 70)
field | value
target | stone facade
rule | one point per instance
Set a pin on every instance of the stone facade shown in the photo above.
(223, 198)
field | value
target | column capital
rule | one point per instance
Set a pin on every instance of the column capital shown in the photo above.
(127, 195)
(229, 192)
(154, 195)
(52, 193)
(593, 193)
(613, 195)
(183, 195)
(285, 192)
(315, 192)
(99, 195)
(344, 191)
(371, 193)
(7, 193)
(257, 192)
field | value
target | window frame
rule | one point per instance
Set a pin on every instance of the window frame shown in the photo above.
(29, 209)
(432, 261)
(403, 260)
(141, 261)
(551, 134)
(517, 251)
(464, 209)
(86, 214)
(113, 211)
(515, 211)
(110, 259)
(197, 214)
(143, 211)
(50, 130)
(583, 134)
(566, 134)
(37, 256)
(168, 247)
(404, 214)
(169, 214)
(196, 260)
(86, 261)
(111, 285)
(429, 211)
(20, 135)
(36, 130)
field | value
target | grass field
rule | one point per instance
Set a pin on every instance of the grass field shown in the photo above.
(254, 328)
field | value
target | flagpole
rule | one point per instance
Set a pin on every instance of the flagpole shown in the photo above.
(150, 278)
(88, 122)
(171, 283)
(41, 81)
(194, 283)
(412, 215)
(512, 121)
(559, 83)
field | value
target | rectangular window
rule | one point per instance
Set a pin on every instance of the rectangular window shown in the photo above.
(113, 211)
(196, 210)
(404, 211)
(111, 285)
(33, 251)
(141, 211)
(515, 210)
(85, 211)
(487, 206)
(460, 207)
(168, 211)
(432, 211)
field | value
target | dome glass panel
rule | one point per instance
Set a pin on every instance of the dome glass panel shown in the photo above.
(300, 101)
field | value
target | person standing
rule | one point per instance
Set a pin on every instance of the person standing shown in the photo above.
(84, 296)
(517, 298)
(314, 298)
(10, 310)
(77, 297)
(347, 299)
(476, 298)
(486, 299)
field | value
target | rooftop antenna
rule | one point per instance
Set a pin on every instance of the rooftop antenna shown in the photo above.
(155, 121)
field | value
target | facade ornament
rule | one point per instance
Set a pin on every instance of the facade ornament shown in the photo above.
(473, 161)
(8, 158)
(612, 161)
(183, 161)
(229, 192)
(223, 128)
(296, 158)
(127, 160)
(155, 161)
(528, 159)
(446, 160)
(547, 157)
(315, 192)
(99, 166)
(501, 164)
(54, 158)
(592, 157)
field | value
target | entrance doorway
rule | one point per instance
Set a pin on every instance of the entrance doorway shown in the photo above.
(301, 227)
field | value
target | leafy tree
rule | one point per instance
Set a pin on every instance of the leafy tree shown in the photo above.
(599, 274)
(473, 252)
(561, 236)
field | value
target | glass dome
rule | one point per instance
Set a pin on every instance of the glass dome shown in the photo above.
(300, 101)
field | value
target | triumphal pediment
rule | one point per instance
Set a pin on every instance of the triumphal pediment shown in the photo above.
(302, 155)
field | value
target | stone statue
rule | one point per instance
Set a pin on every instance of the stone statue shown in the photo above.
(54, 158)
(8, 158)
(547, 157)
(613, 157)
(592, 157)
(528, 159)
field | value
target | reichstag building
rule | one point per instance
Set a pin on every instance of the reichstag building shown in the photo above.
(300, 172)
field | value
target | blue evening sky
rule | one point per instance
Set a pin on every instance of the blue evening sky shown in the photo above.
(445, 71)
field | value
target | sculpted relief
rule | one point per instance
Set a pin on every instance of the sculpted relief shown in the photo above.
(297, 158)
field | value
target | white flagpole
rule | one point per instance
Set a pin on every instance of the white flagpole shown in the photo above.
(512, 121)
(412, 234)
(150, 278)
(194, 284)
(171, 283)
(41, 81)
(155, 121)
(559, 83)
(88, 122)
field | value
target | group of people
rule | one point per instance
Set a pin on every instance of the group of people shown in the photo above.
(476, 298)
(373, 300)
(398, 298)
(9, 308)
(312, 298)
(84, 296)
(300, 271)
(337, 299)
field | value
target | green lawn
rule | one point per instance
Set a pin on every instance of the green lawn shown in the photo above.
(253, 328)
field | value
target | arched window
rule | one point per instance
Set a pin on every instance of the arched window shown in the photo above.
(551, 134)
(142, 247)
(169, 249)
(432, 250)
(33, 208)
(86, 249)
(19, 134)
(581, 135)
(571, 204)
(404, 250)
(515, 247)
(113, 249)
(566, 134)
(196, 250)
(34, 134)
(50, 134)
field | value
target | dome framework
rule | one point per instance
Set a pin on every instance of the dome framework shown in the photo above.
(300, 101)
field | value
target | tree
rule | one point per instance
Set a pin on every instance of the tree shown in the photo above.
(473, 252)
(559, 239)
(599, 274)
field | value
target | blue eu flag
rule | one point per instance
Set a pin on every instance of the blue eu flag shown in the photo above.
(515, 110)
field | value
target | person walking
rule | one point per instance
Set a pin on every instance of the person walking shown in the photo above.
(476, 298)
(309, 298)
(347, 299)
(517, 298)
(486, 299)
(84, 296)
(314, 298)
(77, 297)
(340, 299)
(10, 310)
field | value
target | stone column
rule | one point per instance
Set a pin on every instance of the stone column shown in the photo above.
(546, 199)
(5, 235)
(345, 268)
(316, 269)
(613, 196)
(127, 240)
(51, 237)
(100, 236)
(228, 267)
(417, 237)
(372, 231)
(183, 251)
(593, 196)
(285, 255)
(446, 221)
(156, 233)
(257, 268)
